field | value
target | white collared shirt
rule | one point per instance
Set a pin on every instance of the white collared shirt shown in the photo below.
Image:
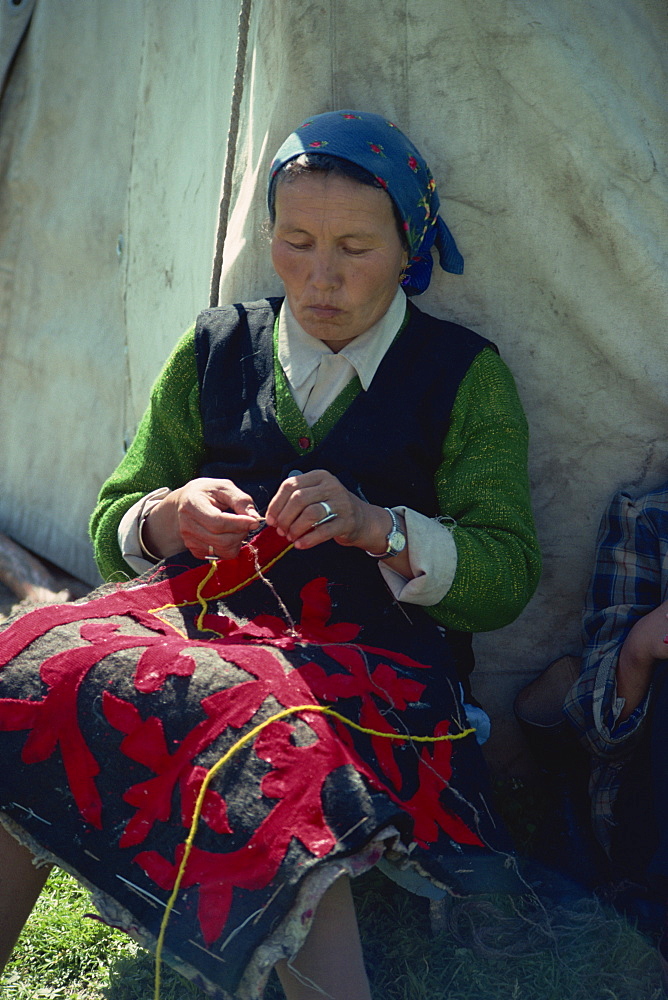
(316, 375)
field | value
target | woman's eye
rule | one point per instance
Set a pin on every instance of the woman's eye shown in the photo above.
(355, 251)
(298, 246)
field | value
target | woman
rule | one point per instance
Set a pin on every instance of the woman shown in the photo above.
(354, 471)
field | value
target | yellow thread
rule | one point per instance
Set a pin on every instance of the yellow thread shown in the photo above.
(213, 771)
(198, 594)
(215, 597)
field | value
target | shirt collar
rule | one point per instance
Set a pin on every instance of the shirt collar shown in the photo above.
(300, 354)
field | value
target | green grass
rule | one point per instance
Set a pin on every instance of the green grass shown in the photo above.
(502, 947)
(63, 954)
(493, 949)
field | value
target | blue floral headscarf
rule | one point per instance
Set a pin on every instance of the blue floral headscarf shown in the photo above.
(383, 150)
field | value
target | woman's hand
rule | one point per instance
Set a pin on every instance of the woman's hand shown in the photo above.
(209, 517)
(643, 646)
(297, 508)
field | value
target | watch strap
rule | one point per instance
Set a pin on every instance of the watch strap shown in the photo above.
(394, 532)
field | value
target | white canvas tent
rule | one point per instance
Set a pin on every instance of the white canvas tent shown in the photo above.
(545, 126)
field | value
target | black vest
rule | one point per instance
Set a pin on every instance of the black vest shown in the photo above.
(387, 445)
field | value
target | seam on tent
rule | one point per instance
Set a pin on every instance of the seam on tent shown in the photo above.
(231, 151)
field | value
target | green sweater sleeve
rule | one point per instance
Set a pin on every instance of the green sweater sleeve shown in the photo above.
(168, 450)
(483, 488)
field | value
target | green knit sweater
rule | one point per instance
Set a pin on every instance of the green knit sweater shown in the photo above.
(482, 482)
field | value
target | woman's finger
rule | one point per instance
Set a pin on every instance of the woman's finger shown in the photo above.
(305, 509)
(219, 544)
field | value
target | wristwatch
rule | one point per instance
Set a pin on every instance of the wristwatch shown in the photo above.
(396, 540)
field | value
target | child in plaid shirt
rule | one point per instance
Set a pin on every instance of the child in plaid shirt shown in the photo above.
(619, 703)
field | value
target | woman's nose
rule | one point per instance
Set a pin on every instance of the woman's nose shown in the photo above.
(324, 271)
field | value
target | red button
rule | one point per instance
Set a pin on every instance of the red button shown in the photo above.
(304, 443)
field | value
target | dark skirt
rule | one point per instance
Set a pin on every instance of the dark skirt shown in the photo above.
(114, 709)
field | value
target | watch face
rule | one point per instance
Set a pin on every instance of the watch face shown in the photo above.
(396, 541)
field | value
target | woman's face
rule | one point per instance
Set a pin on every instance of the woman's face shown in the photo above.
(336, 248)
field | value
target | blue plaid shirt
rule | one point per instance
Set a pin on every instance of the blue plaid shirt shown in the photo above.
(630, 579)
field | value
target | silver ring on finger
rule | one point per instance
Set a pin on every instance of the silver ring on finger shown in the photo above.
(329, 514)
(211, 556)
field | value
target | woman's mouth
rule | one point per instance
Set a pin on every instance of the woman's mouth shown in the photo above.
(323, 310)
